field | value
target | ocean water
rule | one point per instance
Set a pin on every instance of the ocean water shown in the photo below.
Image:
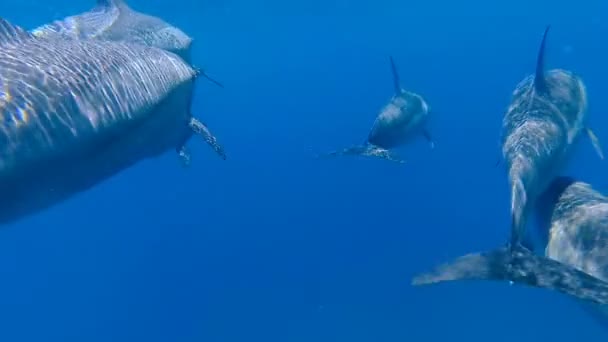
(275, 245)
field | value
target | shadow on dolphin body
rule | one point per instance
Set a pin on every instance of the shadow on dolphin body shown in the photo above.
(545, 117)
(400, 121)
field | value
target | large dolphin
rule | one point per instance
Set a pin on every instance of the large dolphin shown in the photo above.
(400, 121)
(114, 20)
(76, 112)
(546, 116)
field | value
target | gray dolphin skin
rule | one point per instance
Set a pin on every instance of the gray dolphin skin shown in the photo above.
(76, 112)
(572, 223)
(545, 118)
(400, 121)
(114, 20)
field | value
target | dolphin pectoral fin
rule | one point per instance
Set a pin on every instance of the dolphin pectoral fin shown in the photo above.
(500, 159)
(429, 138)
(519, 265)
(201, 72)
(201, 129)
(184, 156)
(596, 142)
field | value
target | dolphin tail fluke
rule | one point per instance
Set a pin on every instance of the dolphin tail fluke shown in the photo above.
(365, 150)
(539, 78)
(396, 80)
(596, 142)
(519, 265)
(201, 129)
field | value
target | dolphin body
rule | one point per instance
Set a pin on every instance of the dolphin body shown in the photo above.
(400, 121)
(77, 112)
(114, 20)
(546, 116)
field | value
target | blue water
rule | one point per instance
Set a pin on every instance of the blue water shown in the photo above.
(273, 245)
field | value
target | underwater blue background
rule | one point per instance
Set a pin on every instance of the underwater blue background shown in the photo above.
(275, 245)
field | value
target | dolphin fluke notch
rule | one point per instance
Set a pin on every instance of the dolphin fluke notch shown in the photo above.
(540, 83)
(396, 80)
(520, 266)
(367, 151)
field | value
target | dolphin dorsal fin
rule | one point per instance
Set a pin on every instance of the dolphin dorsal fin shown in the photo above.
(10, 33)
(396, 81)
(112, 3)
(539, 77)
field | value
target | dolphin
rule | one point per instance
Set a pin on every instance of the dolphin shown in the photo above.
(77, 112)
(546, 116)
(114, 20)
(400, 121)
(572, 220)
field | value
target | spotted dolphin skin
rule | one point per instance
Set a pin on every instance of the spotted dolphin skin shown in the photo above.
(545, 118)
(573, 224)
(114, 20)
(400, 121)
(77, 112)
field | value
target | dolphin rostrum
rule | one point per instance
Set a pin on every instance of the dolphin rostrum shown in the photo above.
(76, 112)
(401, 120)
